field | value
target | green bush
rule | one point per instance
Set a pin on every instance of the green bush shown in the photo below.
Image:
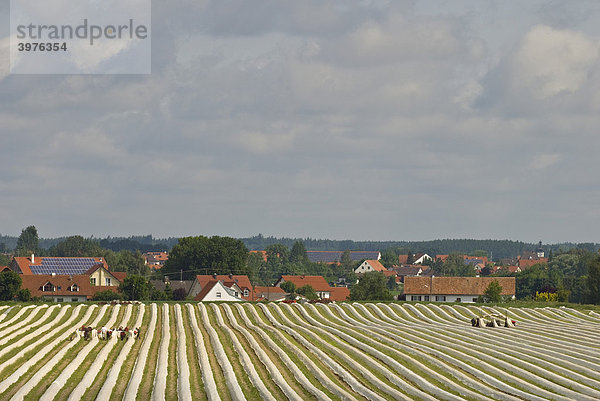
(107, 295)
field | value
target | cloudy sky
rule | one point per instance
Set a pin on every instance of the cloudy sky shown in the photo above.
(343, 119)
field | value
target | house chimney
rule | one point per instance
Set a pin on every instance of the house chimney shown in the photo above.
(166, 279)
(230, 275)
(214, 275)
(32, 258)
(53, 274)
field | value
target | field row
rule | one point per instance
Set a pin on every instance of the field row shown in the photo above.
(298, 352)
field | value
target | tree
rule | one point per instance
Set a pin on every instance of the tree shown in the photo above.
(23, 295)
(203, 255)
(10, 283)
(76, 246)
(256, 265)
(493, 292)
(371, 287)
(410, 258)
(346, 262)
(4, 260)
(135, 288)
(308, 292)
(278, 256)
(288, 287)
(179, 294)
(392, 285)
(486, 271)
(127, 261)
(298, 253)
(593, 282)
(455, 266)
(389, 258)
(27, 242)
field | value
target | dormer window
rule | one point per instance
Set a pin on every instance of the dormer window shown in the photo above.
(48, 287)
(74, 288)
(246, 292)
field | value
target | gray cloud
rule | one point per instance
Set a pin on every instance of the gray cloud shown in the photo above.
(362, 120)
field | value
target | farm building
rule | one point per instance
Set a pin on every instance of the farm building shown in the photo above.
(453, 289)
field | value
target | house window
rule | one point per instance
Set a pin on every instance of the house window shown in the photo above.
(218, 295)
(74, 299)
(440, 298)
(246, 292)
(474, 299)
(93, 280)
(426, 298)
(107, 281)
(74, 288)
(415, 297)
(48, 287)
(59, 300)
(458, 300)
(236, 294)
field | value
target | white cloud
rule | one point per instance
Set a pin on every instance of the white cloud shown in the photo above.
(542, 162)
(550, 62)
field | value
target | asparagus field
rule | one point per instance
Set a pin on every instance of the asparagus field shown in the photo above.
(278, 351)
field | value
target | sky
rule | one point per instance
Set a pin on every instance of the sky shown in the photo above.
(340, 119)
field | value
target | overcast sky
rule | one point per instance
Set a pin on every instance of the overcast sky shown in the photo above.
(342, 119)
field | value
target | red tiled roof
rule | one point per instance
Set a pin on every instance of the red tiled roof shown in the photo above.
(35, 282)
(241, 280)
(402, 259)
(524, 263)
(339, 294)
(318, 283)
(456, 285)
(119, 275)
(376, 265)
(24, 262)
(442, 257)
(389, 273)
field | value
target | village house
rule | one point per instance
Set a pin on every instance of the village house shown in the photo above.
(453, 289)
(239, 285)
(183, 286)
(216, 290)
(417, 258)
(411, 271)
(62, 288)
(267, 293)
(68, 279)
(155, 260)
(370, 265)
(319, 284)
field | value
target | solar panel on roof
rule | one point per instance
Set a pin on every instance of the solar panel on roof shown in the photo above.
(68, 266)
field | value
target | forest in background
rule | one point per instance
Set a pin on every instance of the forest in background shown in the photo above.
(495, 249)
